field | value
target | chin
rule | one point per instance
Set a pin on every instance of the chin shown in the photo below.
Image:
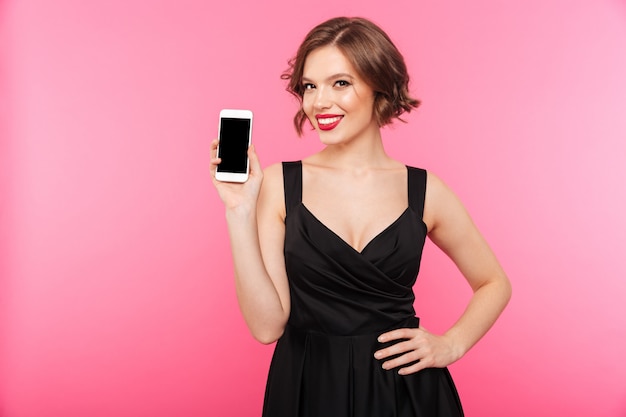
(331, 141)
(330, 138)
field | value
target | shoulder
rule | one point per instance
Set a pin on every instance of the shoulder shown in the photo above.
(435, 185)
(273, 179)
(273, 172)
(444, 214)
(440, 201)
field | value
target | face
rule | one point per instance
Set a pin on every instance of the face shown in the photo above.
(338, 103)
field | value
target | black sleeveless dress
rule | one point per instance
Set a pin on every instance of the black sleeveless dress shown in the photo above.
(341, 301)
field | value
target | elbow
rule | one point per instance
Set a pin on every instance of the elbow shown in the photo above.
(268, 329)
(269, 336)
(265, 340)
(506, 290)
(500, 288)
(509, 293)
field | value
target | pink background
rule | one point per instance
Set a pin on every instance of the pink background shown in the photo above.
(117, 298)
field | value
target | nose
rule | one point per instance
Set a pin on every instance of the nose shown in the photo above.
(322, 98)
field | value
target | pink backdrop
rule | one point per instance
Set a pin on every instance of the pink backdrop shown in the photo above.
(116, 296)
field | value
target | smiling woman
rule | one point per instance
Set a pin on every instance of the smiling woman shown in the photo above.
(326, 250)
(116, 285)
(330, 82)
(372, 56)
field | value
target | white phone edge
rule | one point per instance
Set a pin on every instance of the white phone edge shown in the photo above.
(235, 176)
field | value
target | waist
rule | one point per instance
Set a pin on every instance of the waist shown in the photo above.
(409, 322)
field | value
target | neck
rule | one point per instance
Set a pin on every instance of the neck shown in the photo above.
(366, 153)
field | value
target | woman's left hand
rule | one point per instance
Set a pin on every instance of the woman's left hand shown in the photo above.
(430, 350)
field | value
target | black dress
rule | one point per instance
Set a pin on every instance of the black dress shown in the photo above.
(341, 301)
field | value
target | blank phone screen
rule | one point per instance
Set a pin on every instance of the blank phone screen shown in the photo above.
(234, 134)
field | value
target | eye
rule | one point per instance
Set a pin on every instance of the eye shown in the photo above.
(342, 83)
(308, 86)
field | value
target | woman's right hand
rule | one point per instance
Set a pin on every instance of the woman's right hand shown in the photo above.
(260, 278)
(238, 195)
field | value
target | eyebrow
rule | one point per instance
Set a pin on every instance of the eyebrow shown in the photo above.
(333, 77)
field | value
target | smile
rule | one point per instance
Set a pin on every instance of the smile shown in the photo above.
(328, 122)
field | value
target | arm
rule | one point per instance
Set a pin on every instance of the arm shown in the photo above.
(452, 230)
(254, 214)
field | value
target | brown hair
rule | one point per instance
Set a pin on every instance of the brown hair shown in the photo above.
(373, 55)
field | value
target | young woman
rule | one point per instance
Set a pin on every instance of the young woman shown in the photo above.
(327, 249)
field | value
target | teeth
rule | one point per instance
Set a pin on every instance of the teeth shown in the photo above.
(328, 120)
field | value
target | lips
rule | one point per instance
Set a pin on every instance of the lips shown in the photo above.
(328, 121)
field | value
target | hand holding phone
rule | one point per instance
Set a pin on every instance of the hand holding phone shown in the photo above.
(235, 135)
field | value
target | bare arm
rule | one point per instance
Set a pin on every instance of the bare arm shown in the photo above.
(451, 229)
(455, 233)
(256, 229)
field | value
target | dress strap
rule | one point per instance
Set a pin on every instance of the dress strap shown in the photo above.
(417, 189)
(292, 180)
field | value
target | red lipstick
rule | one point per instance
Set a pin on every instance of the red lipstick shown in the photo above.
(328, 121)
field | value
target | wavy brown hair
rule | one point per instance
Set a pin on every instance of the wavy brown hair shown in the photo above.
(374, 57)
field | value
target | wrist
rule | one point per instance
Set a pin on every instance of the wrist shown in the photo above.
(241, 212)
(457, 346)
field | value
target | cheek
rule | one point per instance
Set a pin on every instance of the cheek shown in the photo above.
(307, 104)
(354, 102)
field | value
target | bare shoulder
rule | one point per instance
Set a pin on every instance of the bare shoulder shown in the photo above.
(273, 173)
(441, 206)
(435, 187)
(434, 184)
(272, 194)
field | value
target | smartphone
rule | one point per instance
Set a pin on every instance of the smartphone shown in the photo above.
(235, 134)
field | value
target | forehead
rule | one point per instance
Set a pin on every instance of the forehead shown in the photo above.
(326, 61)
